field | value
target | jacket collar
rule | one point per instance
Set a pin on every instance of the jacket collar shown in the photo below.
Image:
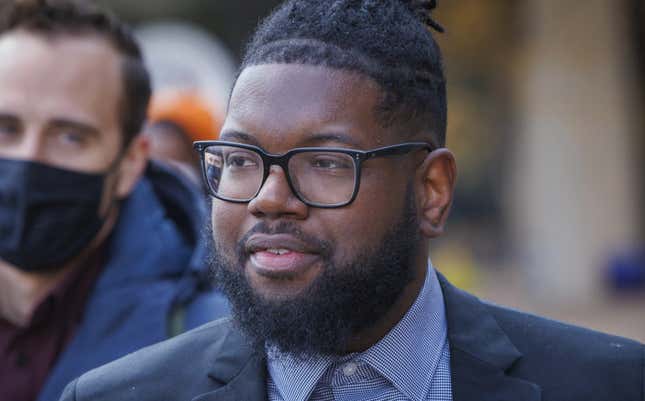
(184, 205)
(481, 354)
(240, 368)
(142, 250)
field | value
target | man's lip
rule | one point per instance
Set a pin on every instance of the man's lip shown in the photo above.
(262, 242)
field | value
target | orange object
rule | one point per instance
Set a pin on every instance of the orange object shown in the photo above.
(189, 111)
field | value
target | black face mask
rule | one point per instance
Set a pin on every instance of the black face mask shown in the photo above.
(47, 215)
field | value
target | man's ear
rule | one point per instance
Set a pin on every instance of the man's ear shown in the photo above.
(132, 166)
(435, 182)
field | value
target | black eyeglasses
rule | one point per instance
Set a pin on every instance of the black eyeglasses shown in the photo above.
(319, 177)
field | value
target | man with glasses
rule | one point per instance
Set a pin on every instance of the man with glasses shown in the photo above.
(99, 251)
(324, 177)
(329, 180)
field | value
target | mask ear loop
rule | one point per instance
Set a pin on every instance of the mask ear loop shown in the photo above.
(115, 202)
(113, 205)
(115, 163)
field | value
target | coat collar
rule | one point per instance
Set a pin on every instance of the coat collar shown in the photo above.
(481, 353)
(239, 367)
(144, 251)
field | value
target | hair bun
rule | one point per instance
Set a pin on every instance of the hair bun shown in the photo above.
(424, 8)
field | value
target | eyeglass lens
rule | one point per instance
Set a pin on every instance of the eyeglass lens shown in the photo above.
(319, 177)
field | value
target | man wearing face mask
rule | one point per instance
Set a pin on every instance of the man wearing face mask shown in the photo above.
(100, 252)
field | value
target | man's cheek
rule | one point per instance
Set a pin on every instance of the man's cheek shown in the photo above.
(223, 226)
(229, 224)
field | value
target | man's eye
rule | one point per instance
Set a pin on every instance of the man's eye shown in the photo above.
(330, 163)
(240, 160)
(8, 130)
(72, 138)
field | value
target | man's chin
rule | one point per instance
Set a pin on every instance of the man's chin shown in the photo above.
(273, 287)
(275, 296)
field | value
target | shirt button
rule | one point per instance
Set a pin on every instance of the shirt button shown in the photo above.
(349, 369)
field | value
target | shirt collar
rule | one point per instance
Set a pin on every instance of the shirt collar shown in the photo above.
(296, 378)
(407, 356)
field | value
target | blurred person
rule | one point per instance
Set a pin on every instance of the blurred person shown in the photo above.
(100, 252)
(176, 119)
(329, 180)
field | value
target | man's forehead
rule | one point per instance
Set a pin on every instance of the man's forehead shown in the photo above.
(25, 48)
(280, 98)
(303, 81)
(74, 75)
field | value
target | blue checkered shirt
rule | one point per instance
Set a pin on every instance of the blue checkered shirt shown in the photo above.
(411, 363)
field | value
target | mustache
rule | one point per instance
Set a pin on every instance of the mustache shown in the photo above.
(283, 227)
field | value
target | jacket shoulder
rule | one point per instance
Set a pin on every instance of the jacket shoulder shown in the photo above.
(173, 369)
(529, 331)
(565, 358)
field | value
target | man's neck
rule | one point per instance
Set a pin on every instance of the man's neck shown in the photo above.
(22, 292)
(370, 336)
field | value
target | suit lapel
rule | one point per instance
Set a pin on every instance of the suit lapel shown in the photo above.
(481, 354)
(237, 368)
(248, 385)
(475, 380)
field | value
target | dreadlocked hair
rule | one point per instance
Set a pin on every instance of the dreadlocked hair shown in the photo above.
(51, 18)
(389, 41)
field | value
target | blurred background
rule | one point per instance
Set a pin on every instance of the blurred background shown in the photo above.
(546, 117)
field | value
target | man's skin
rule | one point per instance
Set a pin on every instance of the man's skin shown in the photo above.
(304, 106)
(59, 105)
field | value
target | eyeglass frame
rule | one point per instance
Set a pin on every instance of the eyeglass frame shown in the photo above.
(282, 160)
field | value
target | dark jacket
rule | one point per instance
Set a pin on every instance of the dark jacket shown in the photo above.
(154, 271)
(496, 355)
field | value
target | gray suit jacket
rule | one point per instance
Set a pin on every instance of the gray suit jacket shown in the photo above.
(497, 354)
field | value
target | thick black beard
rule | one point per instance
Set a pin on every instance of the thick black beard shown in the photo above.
(341, 302)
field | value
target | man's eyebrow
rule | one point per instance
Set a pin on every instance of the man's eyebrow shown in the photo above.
(9, 118)
(84, 128)
(317, 139)
(323, 138)
(239, 136)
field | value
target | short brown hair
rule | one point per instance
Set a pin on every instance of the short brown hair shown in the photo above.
(54, 17)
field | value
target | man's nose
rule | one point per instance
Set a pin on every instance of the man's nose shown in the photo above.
(276, 200)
